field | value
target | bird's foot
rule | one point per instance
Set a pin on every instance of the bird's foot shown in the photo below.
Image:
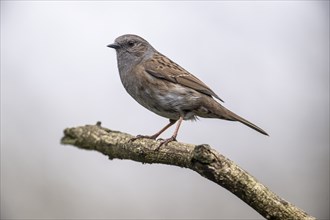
(165, 142)
(153, 137)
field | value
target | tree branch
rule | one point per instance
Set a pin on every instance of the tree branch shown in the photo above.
(200, 158)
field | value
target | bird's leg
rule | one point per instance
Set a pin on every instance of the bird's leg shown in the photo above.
(173, 138)
(157, 134)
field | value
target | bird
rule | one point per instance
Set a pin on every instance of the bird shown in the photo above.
(165, 88)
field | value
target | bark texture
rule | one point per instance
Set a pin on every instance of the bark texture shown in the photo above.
(200, 158)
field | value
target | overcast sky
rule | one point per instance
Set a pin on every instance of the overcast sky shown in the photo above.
(268, 60)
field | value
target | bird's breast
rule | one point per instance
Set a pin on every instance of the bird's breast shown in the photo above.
(162, 97)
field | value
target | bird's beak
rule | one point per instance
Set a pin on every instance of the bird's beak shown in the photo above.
(114, 46)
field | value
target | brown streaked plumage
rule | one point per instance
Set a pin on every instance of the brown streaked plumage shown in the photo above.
(165, 88)
(164, 68)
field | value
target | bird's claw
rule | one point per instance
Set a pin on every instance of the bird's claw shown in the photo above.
(142, 136)
(165, 142)
(153, 137)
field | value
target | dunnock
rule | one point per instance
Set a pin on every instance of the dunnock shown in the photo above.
(165, 88)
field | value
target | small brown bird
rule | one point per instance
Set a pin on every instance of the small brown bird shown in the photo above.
(165, 88)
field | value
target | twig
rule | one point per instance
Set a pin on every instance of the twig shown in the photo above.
(200, 158)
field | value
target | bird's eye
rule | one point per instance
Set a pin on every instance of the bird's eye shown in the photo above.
(131, 43)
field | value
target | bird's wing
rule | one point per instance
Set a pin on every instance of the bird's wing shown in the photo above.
(161, 67)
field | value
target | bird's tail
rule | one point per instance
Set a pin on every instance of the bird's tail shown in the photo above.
(246, 122)
(223, 113)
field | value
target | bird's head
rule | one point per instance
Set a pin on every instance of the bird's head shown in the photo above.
(131, 47)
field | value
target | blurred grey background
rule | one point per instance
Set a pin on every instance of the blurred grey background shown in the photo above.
(269, 61)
